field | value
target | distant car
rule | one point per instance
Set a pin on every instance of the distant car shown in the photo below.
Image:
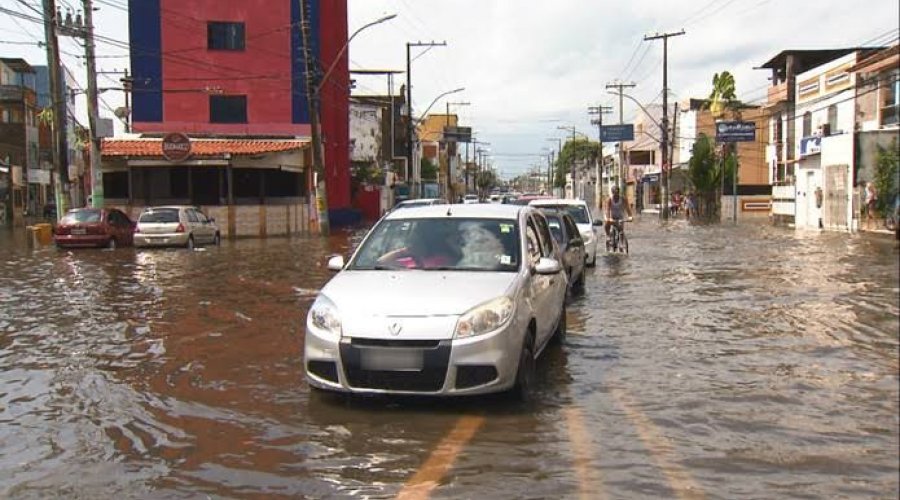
(470, 199)
(579, 211)
(526, 199)
(439, 302)
(181, 226)
(571, 246)
(94, 227)
(496, 198)
(421, 202)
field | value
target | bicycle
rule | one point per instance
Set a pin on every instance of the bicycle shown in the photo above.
(617, 241)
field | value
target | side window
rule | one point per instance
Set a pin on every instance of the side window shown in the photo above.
(545, 236)
(533, 244)
(571, 228)
(192, 216)
(201, 217)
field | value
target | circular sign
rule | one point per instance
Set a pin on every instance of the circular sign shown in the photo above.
(176, 147)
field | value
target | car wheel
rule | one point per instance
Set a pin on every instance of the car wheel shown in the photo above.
(190, 243)
(111, 244)
(559, 336)
(526, 372)
(217, 240)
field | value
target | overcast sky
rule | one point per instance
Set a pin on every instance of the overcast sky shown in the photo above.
(530, 66)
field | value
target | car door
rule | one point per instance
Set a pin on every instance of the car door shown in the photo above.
(204, 227)
(550, 289)
(194, 226)
(575, 245)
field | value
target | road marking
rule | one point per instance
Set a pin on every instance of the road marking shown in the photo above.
(661, 449)
(590, 485)
(441, 459)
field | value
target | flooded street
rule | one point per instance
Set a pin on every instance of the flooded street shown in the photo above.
(716, 362)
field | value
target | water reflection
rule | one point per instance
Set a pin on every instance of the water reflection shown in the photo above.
(753, 352)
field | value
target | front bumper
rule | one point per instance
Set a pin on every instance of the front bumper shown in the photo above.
(478, 365)
(142, 240)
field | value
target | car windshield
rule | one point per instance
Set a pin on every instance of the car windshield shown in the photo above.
(160, 216)
(411, 204)
(81, 217)
(578, 212)
(441, 244)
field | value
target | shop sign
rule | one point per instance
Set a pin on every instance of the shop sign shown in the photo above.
(176, 147)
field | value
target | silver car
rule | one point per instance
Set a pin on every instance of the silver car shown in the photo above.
(177, 225)
(442, 300)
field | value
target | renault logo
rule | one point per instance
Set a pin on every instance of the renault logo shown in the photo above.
(395, 328)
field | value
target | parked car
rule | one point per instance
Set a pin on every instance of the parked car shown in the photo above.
(470, 199)
(421, 202)
(441, 302)
(94, 227)
(571, 246)
(175, 226)
(587, 226)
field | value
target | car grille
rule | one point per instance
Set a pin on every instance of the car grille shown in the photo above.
(435, 357)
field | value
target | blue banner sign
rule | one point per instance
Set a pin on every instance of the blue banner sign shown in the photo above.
(735, 132)
(616, 133)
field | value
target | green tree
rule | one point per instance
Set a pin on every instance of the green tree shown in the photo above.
(486, 180)
(429, 170)
(723, 97)
(572, 152)
(705, 173)
(886, 172)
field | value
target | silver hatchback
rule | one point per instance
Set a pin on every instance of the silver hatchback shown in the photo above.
(443, 300)
(176, 225)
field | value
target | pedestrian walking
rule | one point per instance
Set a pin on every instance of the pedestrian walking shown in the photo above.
(871, 200)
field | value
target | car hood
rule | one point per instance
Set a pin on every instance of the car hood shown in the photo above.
(414, 293)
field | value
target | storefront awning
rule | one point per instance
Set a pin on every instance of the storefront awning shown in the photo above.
(205, 148)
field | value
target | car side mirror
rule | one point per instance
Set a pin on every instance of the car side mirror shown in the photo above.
(598, 222)
(336, 263)
(547, 265)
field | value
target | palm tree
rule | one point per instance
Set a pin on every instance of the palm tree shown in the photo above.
(723, 100)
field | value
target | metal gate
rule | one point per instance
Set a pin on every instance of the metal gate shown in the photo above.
(836, 197)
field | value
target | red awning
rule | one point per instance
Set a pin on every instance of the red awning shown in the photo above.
(147, 148)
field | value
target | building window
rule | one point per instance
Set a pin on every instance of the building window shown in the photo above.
(807, 124)
(225, 36)
(890, 103)
(832, 120)
(227, 109)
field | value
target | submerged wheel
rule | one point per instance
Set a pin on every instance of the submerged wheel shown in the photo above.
(522, 390)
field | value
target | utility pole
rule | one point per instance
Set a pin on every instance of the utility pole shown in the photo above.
(409, 113)
(97, 198)
(620, 87)
(59, 148)
(450, 191)
(664, 180)
(599, 111)
(313, 101)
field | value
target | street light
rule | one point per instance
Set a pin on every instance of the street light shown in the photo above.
(313, 91)
(347, 45)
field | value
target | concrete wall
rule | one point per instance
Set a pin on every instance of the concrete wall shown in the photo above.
(254, 221)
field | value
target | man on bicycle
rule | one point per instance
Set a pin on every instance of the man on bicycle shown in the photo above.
(616, 208)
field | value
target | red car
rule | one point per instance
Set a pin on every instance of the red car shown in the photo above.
(94, 227)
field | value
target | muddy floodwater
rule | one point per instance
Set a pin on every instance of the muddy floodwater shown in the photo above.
(711, 362)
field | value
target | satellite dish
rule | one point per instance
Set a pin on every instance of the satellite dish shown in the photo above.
(122, 112)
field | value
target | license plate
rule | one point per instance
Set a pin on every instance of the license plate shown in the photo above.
(391, 359)
(79, 230)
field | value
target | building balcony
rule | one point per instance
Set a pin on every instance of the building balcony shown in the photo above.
(778, 93)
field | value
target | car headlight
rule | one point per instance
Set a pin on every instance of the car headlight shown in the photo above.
(323, 316)
(484, 318)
